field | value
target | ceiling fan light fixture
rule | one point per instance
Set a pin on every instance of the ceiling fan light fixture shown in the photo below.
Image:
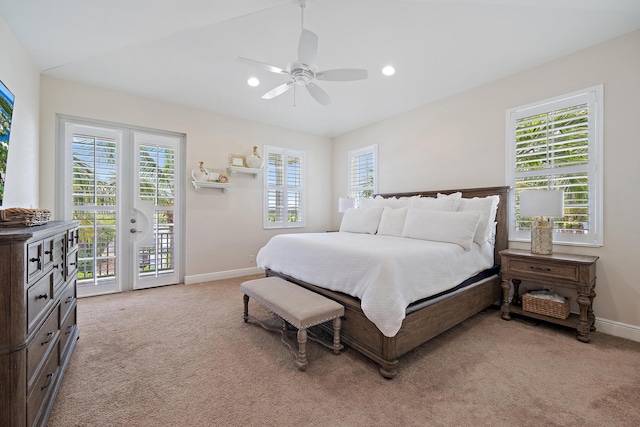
(253, 81)
(388, 70)
(304, 72)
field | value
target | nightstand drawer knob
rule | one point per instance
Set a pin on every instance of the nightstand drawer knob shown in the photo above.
(540, 269)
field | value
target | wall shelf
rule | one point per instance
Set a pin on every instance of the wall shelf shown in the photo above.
(255, 172)
(224, 186)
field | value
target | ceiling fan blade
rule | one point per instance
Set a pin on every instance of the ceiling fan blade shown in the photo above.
(278, 90)
(262, 65)
(318, 94)
(343, 74)
(307, 48)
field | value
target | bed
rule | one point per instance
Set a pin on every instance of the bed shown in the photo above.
(385, 340)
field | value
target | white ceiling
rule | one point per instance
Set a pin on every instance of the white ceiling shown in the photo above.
(184, 51)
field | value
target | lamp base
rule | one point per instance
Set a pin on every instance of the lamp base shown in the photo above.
(541, 238)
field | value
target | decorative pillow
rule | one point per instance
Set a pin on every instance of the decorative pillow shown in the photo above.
(434, 204)
(456, 196)
(487, 206)
(441, 226)
(392, 221)
(392, 202)
(361, 220)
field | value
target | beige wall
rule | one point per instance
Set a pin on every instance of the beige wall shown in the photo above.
(460, 142)
(222, 230)
(22, 78)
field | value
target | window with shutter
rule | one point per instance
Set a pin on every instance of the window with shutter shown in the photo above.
(557, 144)
(363, 171)
(284, 188)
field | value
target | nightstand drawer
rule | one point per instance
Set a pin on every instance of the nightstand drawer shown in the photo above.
(558, 271)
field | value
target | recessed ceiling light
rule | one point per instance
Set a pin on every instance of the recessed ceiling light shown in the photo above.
(388, 70)
(253, 82)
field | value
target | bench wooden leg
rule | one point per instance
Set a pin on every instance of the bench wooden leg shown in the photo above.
(302, 349)
(337, 324)
(246, 308)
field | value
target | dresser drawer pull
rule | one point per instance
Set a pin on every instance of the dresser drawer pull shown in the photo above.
(56, 266)
(540, 269)
(49, 337)
(47, 252)
(49, 379)
(37, 259)
(43, 296)
(72, 263)
(69, 329)
(69, 299)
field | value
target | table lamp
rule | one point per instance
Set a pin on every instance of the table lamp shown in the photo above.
(541, 204)
(345, 203)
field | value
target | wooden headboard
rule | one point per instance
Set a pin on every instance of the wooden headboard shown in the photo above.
(502, 229)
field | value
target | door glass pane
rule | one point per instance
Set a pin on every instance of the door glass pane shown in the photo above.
(94, 200)
(157, 185)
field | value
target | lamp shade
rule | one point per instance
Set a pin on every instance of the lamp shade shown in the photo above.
(549, 203)
(345, 203)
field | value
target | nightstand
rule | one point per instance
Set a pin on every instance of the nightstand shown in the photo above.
(577, 272)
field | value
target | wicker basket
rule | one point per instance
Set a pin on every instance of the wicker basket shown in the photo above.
(559, 310)
(20, 217)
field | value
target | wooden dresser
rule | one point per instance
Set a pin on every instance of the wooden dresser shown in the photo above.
(38, 330)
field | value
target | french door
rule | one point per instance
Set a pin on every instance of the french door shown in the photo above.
(120, 184)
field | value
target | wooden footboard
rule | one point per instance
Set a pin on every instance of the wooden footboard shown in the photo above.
(418, 327)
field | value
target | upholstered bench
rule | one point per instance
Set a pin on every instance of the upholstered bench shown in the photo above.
(299, 307)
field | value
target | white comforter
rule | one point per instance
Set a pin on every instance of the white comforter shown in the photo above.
(386, 273)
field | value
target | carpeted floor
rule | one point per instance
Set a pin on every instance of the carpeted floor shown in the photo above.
(182, 356)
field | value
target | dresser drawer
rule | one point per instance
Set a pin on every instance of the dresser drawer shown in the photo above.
(43, 386)
(39, 298)
(72, 263)
(48, 246)
(67, 300)
(72, 239)
(548, 269)
(40, 344)
(66, 330)
(34, 261)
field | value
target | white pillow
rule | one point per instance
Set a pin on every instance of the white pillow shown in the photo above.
(487, 206)
(361, 220)
(456, 195)
(392, 202)
(441, 226)
(392, 221)
(434, 204)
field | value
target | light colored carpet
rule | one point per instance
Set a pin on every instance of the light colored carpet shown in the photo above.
(182, 356)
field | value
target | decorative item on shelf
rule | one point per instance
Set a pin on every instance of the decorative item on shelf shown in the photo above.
(237, 161)
(345, 203)
(254, 161)
(214, 175)
(200, 174)
(223, 178)
(542, 203)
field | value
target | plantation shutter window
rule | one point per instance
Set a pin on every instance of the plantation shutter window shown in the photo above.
(362, 172)
(284, 188)
(557, 144)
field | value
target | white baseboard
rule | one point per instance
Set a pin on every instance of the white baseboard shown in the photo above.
(229, 274)
(618, 329)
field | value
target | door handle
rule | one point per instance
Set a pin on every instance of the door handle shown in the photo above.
(133, 230)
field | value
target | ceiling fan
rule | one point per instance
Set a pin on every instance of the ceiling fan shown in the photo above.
(303, 71)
